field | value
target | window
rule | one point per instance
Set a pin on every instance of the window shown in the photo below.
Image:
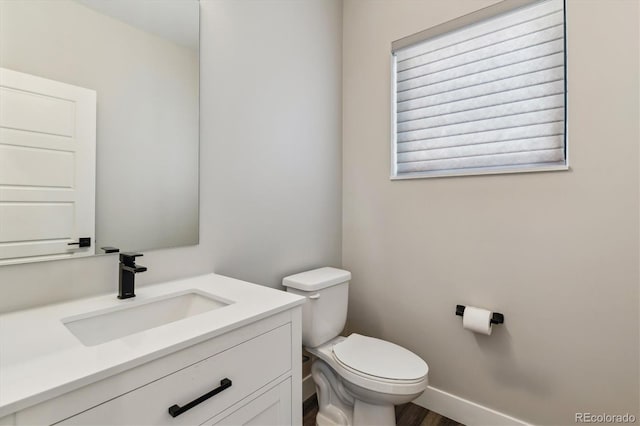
(484, 93)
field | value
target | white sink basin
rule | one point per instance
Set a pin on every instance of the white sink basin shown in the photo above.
(108, 324)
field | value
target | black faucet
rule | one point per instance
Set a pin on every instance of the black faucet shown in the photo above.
(128, 270)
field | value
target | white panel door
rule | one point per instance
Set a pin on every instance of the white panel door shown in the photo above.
(47, 168)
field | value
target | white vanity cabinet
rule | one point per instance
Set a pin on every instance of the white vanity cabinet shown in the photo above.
(258, 366)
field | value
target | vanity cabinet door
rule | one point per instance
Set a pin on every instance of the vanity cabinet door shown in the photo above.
(248, 366)
(272, 408)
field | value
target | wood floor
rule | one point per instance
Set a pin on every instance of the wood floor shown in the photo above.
(406, 415)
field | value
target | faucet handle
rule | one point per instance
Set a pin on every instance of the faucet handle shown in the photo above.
(129, 258)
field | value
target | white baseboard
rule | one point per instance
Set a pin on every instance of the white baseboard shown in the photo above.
(462, 410)
(444, 403)
(308, 387)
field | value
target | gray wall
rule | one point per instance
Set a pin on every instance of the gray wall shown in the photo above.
(276, 80)
(557, 253)
(270, 197)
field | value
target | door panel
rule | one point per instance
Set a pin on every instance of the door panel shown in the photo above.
(36, 112)
(26, 166)
(272, 408)
(35, 221)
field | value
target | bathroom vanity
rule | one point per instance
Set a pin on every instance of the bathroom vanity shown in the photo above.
(204, 350)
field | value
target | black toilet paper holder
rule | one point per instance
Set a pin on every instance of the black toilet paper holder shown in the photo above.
(496, 318)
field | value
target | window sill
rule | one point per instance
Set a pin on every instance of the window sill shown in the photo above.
(478, 172)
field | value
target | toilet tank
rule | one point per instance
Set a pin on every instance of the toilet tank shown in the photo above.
(327, 293)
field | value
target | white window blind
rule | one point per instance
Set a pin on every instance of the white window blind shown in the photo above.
(485, 98)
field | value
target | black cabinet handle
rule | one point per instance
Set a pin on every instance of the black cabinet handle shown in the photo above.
(175, 410)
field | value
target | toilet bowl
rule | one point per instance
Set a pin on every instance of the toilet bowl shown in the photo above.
(358, 378)
(367, 387)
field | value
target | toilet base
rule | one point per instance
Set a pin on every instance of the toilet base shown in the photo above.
(337, 406)
(373, 415)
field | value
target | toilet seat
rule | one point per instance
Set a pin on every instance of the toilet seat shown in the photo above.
(379, 359)
(367, 381)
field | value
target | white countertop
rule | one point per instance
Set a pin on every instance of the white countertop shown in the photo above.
(40, 358)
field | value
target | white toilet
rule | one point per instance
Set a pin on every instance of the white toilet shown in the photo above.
(358, 379)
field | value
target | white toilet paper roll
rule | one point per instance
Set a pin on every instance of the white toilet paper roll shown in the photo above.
(477, 320)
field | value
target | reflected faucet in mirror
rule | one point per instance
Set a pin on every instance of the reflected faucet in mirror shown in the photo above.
(128, 271)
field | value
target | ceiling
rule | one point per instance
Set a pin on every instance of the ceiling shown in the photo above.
(175, 20)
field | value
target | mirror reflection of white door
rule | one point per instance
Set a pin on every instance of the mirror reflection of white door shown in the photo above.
(47, 168)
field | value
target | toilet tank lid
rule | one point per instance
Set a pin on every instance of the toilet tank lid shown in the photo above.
(317, 279)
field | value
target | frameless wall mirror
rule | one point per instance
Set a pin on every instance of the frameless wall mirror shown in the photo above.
(99, 126)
